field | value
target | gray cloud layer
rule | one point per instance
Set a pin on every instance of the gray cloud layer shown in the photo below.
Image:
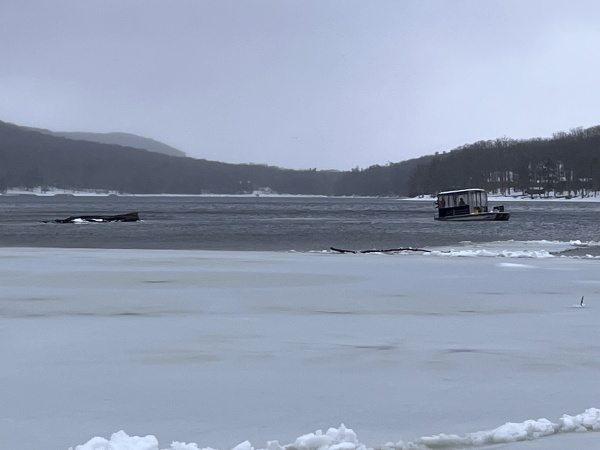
(303, 83)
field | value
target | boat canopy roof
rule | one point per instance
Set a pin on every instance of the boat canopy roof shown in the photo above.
(461, 191)
(471, 198)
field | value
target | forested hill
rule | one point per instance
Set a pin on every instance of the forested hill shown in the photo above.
(566, 163)
(32, 159)
(123, 139)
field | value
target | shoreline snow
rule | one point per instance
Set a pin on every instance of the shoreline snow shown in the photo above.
(101, 193)
(343, 438)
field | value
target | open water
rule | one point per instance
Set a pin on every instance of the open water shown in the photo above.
(278, 223)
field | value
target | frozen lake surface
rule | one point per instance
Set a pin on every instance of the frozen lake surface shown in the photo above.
(218, 348)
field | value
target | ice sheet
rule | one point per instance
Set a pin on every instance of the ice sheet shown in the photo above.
(219, 348)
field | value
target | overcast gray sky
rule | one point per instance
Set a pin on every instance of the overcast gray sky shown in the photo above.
(302, 83)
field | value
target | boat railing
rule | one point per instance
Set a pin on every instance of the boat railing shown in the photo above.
(454, 211)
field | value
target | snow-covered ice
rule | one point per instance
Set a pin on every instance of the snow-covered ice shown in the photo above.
(185, 350)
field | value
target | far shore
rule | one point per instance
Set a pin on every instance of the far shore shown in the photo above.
(426, 198)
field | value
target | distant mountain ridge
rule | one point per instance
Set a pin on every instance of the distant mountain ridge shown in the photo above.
(567, 164)
(32, 159)
(117, 138)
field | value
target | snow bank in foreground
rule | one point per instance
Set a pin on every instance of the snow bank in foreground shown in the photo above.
(345, 439)
(513, 432)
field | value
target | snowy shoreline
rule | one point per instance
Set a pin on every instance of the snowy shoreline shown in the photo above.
(99, 193)
(343, 438)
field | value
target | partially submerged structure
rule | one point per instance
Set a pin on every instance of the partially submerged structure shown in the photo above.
(129, 217)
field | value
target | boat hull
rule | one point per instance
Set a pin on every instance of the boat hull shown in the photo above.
(476, 217)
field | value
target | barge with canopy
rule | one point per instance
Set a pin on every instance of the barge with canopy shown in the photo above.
(467, 204)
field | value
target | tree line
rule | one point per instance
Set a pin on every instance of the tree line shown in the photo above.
(31, 159)
(568, 163)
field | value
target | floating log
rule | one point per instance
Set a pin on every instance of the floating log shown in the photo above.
(389, 250)
(129, 217)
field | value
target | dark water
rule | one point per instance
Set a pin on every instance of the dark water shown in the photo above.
(278, 223)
